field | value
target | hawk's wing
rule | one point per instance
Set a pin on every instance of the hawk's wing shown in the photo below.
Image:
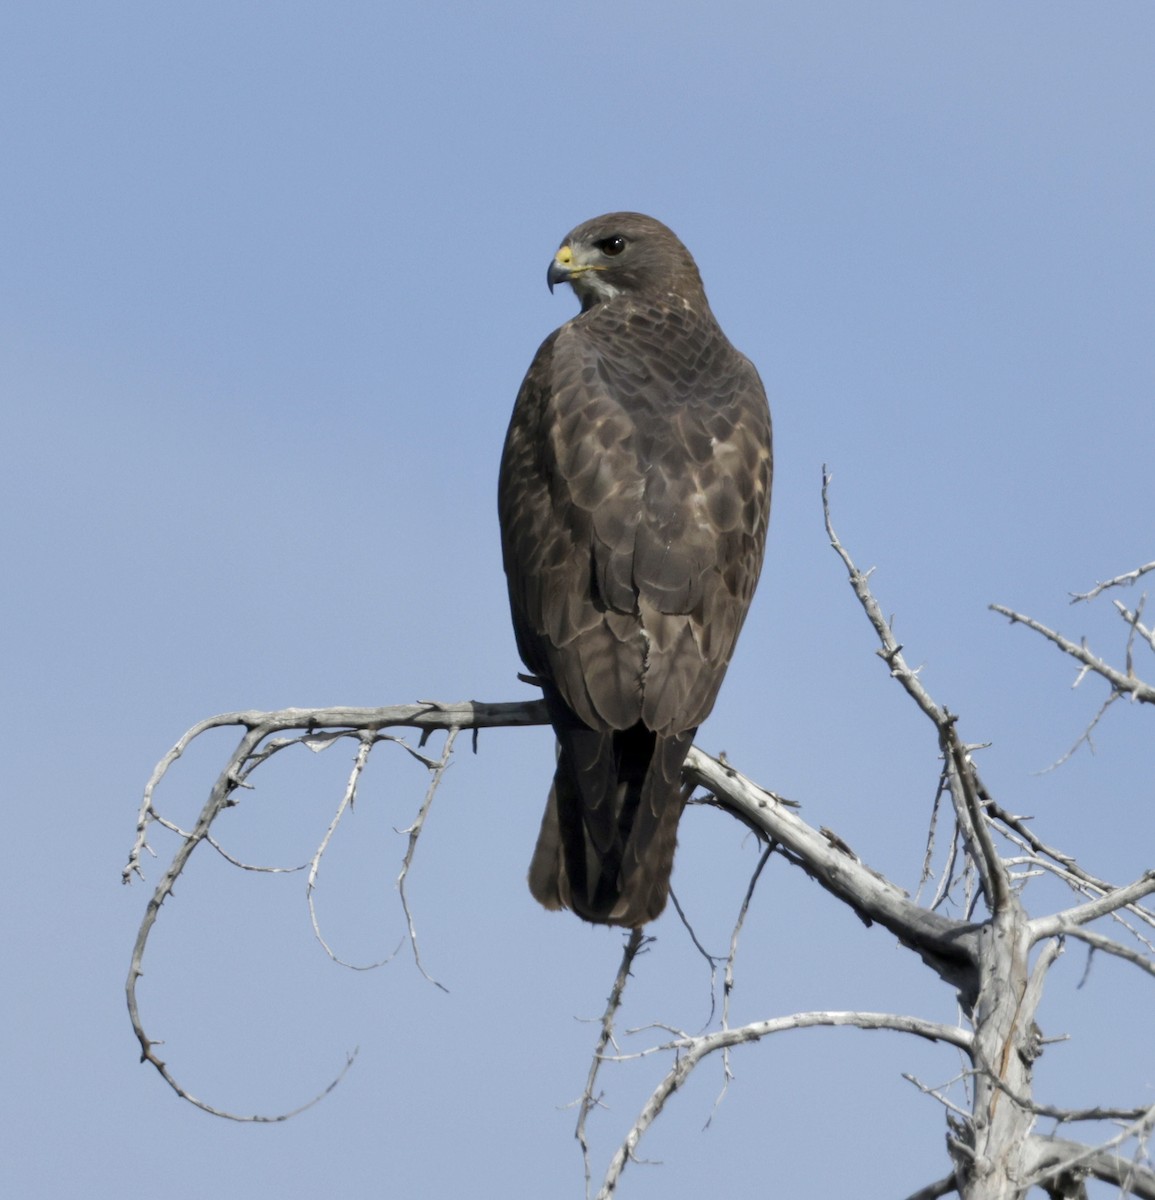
(634, 497)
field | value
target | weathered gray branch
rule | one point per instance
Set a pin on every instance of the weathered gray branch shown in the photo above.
(995, 1153)
(941, 1187)
(1124, 580)
(987, 1146)
(1051, 1157)
(1082, 914)
(635, 941)
(966, 789)
(256, 744)
(691, 1050)
(948, 946)
(1127, 684)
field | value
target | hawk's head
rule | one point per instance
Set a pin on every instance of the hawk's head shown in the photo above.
(624, 253)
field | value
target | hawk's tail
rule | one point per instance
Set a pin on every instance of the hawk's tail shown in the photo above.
(606, 847)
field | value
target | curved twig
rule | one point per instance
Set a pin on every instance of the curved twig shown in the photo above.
(257, 743)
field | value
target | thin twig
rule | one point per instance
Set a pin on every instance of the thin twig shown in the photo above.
(1134, 619)
(438, 768)
(367, 741)
(1120, 681)
(1118, 581)
(1085, 737)
(728, 976)
(634, 943)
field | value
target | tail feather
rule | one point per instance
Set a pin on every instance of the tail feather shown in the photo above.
(607, 841)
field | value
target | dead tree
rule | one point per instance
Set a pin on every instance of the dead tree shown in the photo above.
(995, 957)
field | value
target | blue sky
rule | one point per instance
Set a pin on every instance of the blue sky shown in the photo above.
(270, 277)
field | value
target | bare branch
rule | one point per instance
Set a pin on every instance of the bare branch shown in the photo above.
(1049, 1158)
(257, 743)
(711, 959)
(1134, 620)
(438, 768)
(240, 1118)
(219, 799)
(691, 1051)
(965, 786)
(948, 946)
(891, 651)
(1112, 901)
(928, 854)
(1119, 581)
(1071, 868)
(728, 976)
(366, 745)
(728, 980)
(986, 962)
(147, 814)
(428, 715)
(1085, 736)
(937, 1093)
(634, 944)
(1098, 941)
(1130, 685)
(945, 943)
(942, 1187)
(969, 795)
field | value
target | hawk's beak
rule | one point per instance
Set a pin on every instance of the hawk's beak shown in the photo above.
(561, 268)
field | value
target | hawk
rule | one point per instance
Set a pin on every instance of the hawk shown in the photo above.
(633, 498)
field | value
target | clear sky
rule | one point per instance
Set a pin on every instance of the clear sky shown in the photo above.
(270, 275)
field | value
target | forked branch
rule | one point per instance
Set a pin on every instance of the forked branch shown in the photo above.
(994, 1149)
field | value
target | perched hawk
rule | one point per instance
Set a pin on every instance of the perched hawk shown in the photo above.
(633, 498)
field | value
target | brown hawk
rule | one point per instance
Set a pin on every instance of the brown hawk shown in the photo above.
(633, 498)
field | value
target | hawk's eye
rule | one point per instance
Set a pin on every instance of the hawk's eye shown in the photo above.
(612, 246)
